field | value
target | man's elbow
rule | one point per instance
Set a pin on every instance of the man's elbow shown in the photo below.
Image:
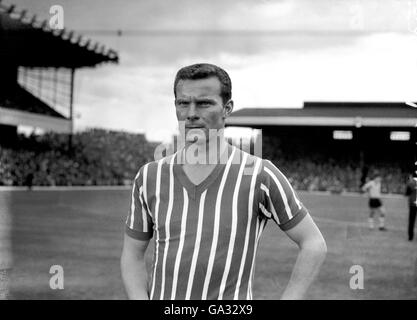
(127, 259)
(316, 246)
(130, 259)
(322, 247)
(123, 264)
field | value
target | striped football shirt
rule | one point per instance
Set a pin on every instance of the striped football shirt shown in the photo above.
(206, 235)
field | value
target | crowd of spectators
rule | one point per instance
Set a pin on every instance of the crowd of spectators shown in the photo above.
(101, 157)
(335, 176)
(97, 157)
(333, 171)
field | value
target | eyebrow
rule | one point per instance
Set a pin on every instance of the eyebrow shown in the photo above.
(198, 100)
(205, 100)
(179, 100)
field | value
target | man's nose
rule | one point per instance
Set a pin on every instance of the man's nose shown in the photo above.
(192, 112)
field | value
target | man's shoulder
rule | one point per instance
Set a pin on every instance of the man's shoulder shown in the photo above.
(251, 159)
(263, 165)
(263, 162)
(152, 166)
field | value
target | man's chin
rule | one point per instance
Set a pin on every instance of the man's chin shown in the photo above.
(195, 136)
(195, 140)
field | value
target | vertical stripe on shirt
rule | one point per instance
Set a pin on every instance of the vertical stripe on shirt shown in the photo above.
(144, 217)
(132, 205)
(266, 212)
(144, 183)
(250, 212)
(297, 201)
(216, 227)
(255, 243)
(158, 198)
(234, 226)
(167, 223)
(196, 245)
(281, 191)
(181, 245)
(252, 274)
(271, 205)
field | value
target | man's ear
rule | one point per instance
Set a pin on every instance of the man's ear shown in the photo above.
(227, 109)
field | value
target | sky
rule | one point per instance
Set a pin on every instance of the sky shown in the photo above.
(278, 53)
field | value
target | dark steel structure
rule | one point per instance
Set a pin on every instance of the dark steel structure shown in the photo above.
(37, 69)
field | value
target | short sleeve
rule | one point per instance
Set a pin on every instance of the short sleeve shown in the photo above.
(139, 223)
(279, 201)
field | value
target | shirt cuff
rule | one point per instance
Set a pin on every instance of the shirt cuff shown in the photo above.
(296, 219)
(138, 235)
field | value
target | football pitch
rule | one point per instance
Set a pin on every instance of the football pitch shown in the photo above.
(82, 231)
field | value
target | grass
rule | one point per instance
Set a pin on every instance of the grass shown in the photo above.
(83, 230)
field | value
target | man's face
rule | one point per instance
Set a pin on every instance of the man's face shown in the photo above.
(200, 106)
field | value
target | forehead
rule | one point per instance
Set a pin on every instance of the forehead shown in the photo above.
(199, 87)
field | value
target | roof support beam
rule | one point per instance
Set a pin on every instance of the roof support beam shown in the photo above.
(321, 121)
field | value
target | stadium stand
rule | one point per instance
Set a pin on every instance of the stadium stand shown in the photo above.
(102, 157)
(98, 157)
(302, 142)
(38, 64)
(19, 99)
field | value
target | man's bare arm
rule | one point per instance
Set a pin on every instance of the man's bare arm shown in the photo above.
(133, 268)
(310, 257)
(365, 187)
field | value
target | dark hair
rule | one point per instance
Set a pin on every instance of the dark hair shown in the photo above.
(203, 71)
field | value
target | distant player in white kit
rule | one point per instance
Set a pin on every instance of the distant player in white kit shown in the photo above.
(373, 188)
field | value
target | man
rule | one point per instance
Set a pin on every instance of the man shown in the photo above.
(411, 193)
(206, 213)
(373, 188)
